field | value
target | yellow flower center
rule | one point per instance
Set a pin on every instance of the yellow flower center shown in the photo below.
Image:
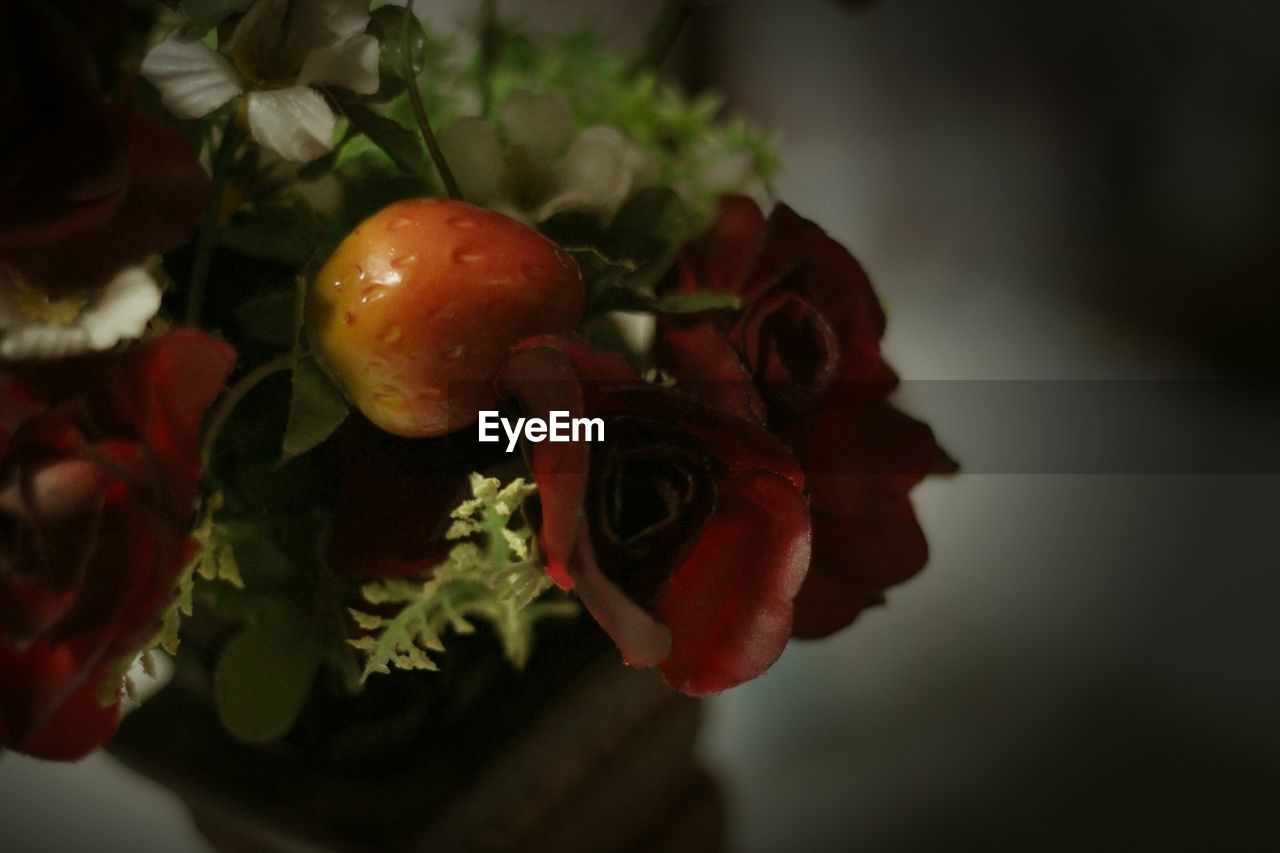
(43, 307)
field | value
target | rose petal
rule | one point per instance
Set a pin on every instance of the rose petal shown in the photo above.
(707, 366)
(193, 80)
(161, 207)
(855, 559)
(729, 606)
(862, 465)
(57, 509)
(296, 123)
(827, 275)
(541, 375)
(122, 309)
(722, 258)
(642, 640)
(49, 707)
(81, 724)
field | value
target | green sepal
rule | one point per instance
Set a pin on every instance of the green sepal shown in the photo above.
(317, 407)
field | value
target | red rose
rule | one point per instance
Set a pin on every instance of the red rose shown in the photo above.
(87, 187)
(685, 531)
(99, 464)
(809, 336)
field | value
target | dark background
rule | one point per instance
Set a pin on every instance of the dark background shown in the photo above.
(1041, 192)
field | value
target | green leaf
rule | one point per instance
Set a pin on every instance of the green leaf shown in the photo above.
(264, 675)
(394, 139)
(651, 221)
(494, 576)
(316, 409)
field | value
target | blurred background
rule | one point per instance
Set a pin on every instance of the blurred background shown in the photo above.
(1045, 193)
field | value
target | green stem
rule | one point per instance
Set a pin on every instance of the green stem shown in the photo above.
(228, 404)
(663, 33)
(420, 113)
(207, 240)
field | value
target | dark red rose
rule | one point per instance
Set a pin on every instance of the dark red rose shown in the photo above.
(99, 464)
(87, 187)
(685, 531)
(809, 336)
(64, 149)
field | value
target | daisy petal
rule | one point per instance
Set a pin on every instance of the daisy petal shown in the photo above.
(296, 123)
(193, 80)
(312, 25)
(351, 63)
(43, 341)
(541, 124)
(122, 309)
(593, 176)
(259, 42)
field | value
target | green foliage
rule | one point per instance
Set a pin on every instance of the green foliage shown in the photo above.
(316, 408)
(264, 674)
(400, 144)
(493, 574)
(215, 560)
(622, 264)
(686, 133)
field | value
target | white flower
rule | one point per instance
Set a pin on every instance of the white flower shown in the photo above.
(280, 49)
(545, 167)
(35, 326)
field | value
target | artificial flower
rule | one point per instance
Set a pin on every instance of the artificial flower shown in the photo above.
(809, 336)
(64, 146)
(98, 469)
(35, 326)
(280, 54)
(685, 532)
(94, 285)
(546, 166)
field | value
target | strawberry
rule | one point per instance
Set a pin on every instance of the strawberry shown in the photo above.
(416, 310)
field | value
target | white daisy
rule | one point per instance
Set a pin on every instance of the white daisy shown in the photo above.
(279, 51)
(36, 326)
(545, 168)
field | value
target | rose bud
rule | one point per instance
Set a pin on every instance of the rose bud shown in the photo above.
(809, 336)
(415, 312)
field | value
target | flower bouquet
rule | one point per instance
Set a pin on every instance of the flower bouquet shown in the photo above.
(385, 376)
